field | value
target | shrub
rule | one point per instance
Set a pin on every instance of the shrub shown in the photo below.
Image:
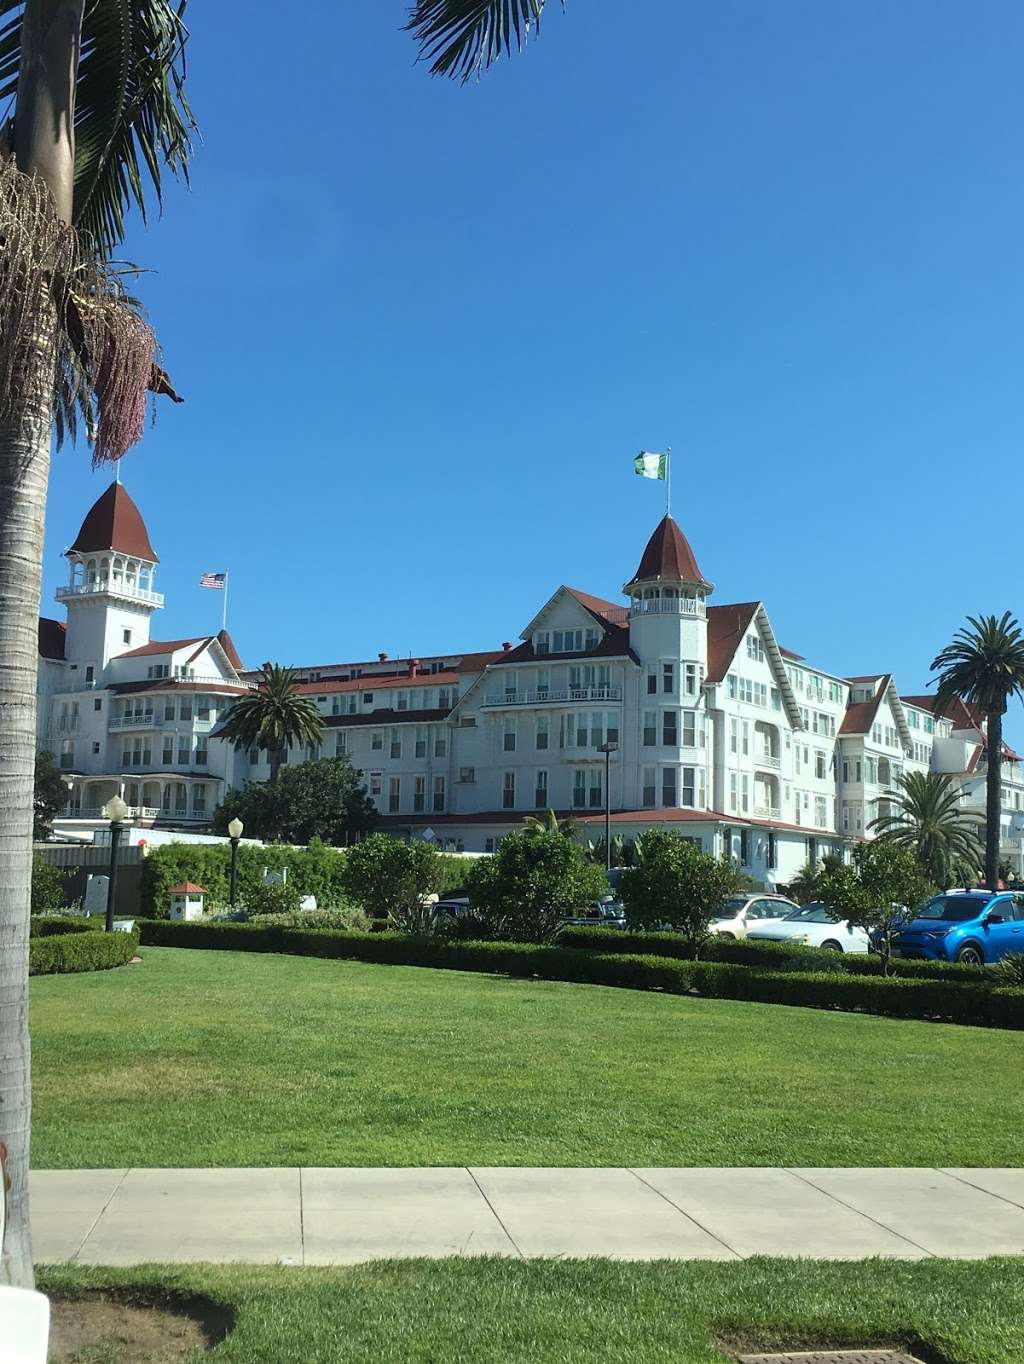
(47, 886)
(392, 880)
(45, 926)
(315, 870)
(347, 920)
(274, 897)
(534, 880)
(80, 951)
(1010, 971)
(676, 883)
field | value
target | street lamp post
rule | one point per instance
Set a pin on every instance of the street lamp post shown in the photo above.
(607, 749)
(117, 812)
(234, 833)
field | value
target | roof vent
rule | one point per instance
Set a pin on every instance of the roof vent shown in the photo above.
(506, 645)
(382, 657)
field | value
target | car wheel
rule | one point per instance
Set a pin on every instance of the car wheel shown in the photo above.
(971, 955)
(731, 936)
(831, 945)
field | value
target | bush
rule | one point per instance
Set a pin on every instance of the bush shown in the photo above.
(47, 886)
(392, 880)
(45, 926)
(1010, 971)
(316, 870)
(676, 883)
(532, 882)
(80, 951)
(349, 920)
(273, 897)
(975, 1003)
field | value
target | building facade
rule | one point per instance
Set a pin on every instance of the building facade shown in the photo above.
(679, 712)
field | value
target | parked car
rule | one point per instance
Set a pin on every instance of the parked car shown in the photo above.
(452, 907)
(607, 912)
(973, 926)
(740, 913)
(814, 925)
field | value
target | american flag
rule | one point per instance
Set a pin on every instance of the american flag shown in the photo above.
(213, 580)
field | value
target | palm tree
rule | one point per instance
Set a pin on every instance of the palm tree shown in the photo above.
(460, 38)
(928, 821)
(99, 111)
(984, 667)
(548, 823)
(273, 718)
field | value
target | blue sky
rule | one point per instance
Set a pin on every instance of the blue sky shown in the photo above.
(423, 329)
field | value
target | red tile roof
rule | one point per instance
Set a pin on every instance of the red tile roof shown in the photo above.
(114, 522)
(614, 644)
(51, 637)
(228, 645)
(329, 685)
(866, 677)
(162, 684)
(597, 606)
(668, 557)
(860, 715)
(188, 888)
(788, 653)
(726, 627)
(164, 646)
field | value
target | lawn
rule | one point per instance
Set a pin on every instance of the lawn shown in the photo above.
(551, 1312)
(225, 1058)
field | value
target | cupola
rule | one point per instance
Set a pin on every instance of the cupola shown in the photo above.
(668, 580)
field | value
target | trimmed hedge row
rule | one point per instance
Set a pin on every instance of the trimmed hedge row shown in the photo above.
(77, 951)
(46, 927)
(975, 1003)
(769, 955)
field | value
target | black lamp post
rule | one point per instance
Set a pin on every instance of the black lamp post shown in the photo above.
(117, 812)
(234, 833)
(607, 749)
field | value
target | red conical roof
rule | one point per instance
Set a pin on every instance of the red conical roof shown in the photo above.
(114, 522)
(669, 558)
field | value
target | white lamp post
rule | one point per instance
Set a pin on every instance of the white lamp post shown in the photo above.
(117, 812)
(235, 828)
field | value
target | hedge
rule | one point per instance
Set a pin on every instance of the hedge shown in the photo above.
(78, 951)
(768, 955)
(41, 926)
(951, 1001)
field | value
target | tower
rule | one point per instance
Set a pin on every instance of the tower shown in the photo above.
(109, 595)
(667, 611)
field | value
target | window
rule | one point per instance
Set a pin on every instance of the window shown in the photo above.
(820, 811)
(820, 764)
(202, 708)
(508, 743)
(540, 790)
(341, 743)
(579, 789)
(730, 686)
(745, 731)
(543, 681)
(650, 728)
(438, 805)
(402, 702)
(772, 853)
(668, 678)
(668, 787)
(168, 751)
(441, 741)
(734, 735)
(508, 791)
(595, 785)
(776, 699)
(395, 748)
(652, 681)
(367, 698)
(419, 794)
(542, 642)
(755, 649)
(543, 723)
(489, 845)
(90, 673)
(597, 728)
(421, 741)
(669, 729)
(733, 787)
(394, 795)
(745, 793)
(199, 799)
(835, 693)
(201, 750)
(185, 708)
(377, 741)
(612, 727)
(650, 787)
(467, 774)
(97, 704)
(744, 847)
(689, 790)
(690, 676)
(169, 708)
(376, 778)
(67, 753)
(126, 637)
(95, 747)
(184, 747)
(581, 729)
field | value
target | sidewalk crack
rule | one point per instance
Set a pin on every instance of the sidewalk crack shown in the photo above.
(96, 1219)
(961, 1179)
(859, 1211)
(494, 1212)
(688, 1215)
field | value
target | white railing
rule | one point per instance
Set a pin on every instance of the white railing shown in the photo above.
(766, 760)
(149, 720)
(668, 606)
(66, 725)
(108, 585)
(96, 812)
(550, 696)
(768, 811)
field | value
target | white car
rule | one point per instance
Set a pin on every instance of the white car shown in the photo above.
(814, 926)
(740, 913)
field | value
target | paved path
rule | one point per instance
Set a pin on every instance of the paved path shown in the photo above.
(343, 1216)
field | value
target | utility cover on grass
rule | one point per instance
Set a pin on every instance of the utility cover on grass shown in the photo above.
(832, 1357)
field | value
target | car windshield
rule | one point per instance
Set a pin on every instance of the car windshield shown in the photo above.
(815, 913)
(956, 909)
(728, 909)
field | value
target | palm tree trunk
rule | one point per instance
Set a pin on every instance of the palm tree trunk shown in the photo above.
(275, 757)
(993, 797)
(44, 146)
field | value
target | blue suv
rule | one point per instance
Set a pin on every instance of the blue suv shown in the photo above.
(973, 926)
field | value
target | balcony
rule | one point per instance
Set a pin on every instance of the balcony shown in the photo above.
(768, 812)
(66, 724)
(111, 588)
(149, 720)
(96, 812)
(669, 606)
(767, 760)
(554, 697)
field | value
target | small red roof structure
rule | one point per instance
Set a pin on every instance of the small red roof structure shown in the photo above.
(114, 522)
(52, 635)
(669, 558)
(187, 888)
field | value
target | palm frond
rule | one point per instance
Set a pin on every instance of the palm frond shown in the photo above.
(461, 38)
(132, 116)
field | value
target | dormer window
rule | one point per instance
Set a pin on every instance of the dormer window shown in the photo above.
(542, 642)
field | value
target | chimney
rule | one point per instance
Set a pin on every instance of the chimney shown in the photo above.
(382, 657)
(506, 645)
(414, 667)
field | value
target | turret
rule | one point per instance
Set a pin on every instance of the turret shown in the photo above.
(667, 612)
(109, 595)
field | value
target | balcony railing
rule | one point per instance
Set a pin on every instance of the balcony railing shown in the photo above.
(767, 760)
(552, 696)
(66, 724)
(768, 811)
(96, 812)
(148, 720)
(668, 606)
(110, 587)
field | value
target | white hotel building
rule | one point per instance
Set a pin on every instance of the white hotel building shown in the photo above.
(722, 734)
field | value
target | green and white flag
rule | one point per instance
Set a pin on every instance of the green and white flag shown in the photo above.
(649, 465)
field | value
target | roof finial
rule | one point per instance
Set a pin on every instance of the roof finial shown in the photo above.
(117, 471)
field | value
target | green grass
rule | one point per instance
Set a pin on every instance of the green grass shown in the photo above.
(555, 1312)
(224, 1058)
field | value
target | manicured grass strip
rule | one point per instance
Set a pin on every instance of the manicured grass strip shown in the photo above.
(972, 1003)
(61, 953)
(240, 1058)
(549, 1312)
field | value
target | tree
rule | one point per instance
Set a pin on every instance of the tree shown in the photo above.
(460, 38)
(49, 797)
(678, 884)
(324, 798)
(99, 109)
(881, 878)
(533, 882)
(804, 886)
(548, 823)
(273, 718)
(47, 887)
(928, 821)
(984, 667)
(394, 880)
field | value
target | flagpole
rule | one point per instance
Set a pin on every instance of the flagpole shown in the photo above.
(668, 480)
(224, 615)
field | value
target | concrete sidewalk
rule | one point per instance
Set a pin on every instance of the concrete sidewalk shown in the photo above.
(344, 1216)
